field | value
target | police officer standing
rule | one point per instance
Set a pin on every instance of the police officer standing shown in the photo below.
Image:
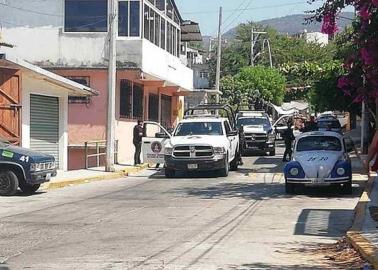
(288, 137)
(137, 141)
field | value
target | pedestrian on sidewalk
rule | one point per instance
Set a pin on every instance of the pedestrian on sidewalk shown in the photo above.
(372, 154)
(288, 137)
(137, 141)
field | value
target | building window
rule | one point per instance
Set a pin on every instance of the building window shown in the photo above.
(162, 34)
(131, 100)
(204, 74)
(146, 22)
(128, 21)
(153, 107)
(160, 4)
(166, 111)
(123, 18)
(86, 16)
(78, 99)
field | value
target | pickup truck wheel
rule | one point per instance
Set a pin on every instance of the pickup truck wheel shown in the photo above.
(29, 189)
(8, 183)
(235, 162)
(225, 171)
(169, 173)
(289, 188)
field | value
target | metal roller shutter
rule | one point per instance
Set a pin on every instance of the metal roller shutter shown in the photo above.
(44, 125)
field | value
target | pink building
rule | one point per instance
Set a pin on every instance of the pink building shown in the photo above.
(152, 76)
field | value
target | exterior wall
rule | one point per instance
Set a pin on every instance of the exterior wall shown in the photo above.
(200, 83)
(317, 37)
(41, 87)
(55, 48)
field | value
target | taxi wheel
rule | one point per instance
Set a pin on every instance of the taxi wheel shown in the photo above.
(29, 189)
(8, 183)
(347, 188)
(169, 173)
(289, 188)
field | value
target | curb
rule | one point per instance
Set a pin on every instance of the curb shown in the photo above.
(85, 180)
(354, 236)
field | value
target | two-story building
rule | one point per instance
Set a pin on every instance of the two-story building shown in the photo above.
(69, 37)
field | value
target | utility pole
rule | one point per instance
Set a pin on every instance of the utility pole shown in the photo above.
(219, 55)
(252, 48)
(110, 129)
(254, 38)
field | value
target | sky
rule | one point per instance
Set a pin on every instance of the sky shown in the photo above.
(205, 12)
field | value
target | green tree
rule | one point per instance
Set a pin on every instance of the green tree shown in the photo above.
(253, 82)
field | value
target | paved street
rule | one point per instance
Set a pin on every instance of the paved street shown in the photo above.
(148, 222)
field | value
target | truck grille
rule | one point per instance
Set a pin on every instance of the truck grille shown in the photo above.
(191, 151)
(256, 137)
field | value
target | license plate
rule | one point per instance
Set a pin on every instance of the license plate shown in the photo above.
(192, 166)
(48, 176)
(317, 181)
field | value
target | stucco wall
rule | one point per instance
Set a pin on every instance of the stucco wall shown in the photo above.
(32, 85)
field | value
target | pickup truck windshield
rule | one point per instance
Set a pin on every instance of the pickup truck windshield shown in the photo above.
(199, 128)
(329, 124)
(255, 121)
(319, 143)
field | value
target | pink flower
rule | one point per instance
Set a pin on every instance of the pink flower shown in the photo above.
(343, 82)
(364, 12)
(367, 58)
(329, 24)
(375, 3)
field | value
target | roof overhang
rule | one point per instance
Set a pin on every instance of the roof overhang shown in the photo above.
(72, 87)
(190, 31)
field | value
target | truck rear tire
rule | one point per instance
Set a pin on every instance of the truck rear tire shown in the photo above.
(8, 183)
(29, 189)
(169, 173)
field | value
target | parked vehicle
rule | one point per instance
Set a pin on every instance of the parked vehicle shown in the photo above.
(257, 132)
(329, 124)
(200, 142)
(24, 169)
(319, 159)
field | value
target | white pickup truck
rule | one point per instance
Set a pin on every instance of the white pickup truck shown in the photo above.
(198, 143)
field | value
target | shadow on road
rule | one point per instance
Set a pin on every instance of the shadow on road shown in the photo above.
(323, 222)
(261, 266)
(258, 191)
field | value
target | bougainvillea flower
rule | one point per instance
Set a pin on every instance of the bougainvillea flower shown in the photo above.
(364, 12)
(329, 24)
(375, 3)
(367, 58)
(343, 82)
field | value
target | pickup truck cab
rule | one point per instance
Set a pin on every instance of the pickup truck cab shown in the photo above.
(24, 169)
(257, 132)
(198, 143)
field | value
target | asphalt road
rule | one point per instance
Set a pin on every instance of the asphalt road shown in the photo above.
(245, 221)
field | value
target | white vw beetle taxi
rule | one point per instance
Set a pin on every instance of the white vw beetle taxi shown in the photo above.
(319, 159)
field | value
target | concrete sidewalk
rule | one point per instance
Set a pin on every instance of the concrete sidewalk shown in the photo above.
(77, 177)
(363, 234)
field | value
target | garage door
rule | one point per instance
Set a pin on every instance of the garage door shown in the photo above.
(44, 125)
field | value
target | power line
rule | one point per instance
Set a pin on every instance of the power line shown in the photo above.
(234, 11)
(244, 9)
(31, 11)
(237, 17)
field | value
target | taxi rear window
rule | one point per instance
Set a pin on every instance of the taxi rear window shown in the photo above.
(319, 143)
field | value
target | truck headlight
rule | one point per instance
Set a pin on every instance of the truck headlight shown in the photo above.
(36, 167)
(168, 151)
(294, 171)
(271, 137)
(219, 150)
(340, 171)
